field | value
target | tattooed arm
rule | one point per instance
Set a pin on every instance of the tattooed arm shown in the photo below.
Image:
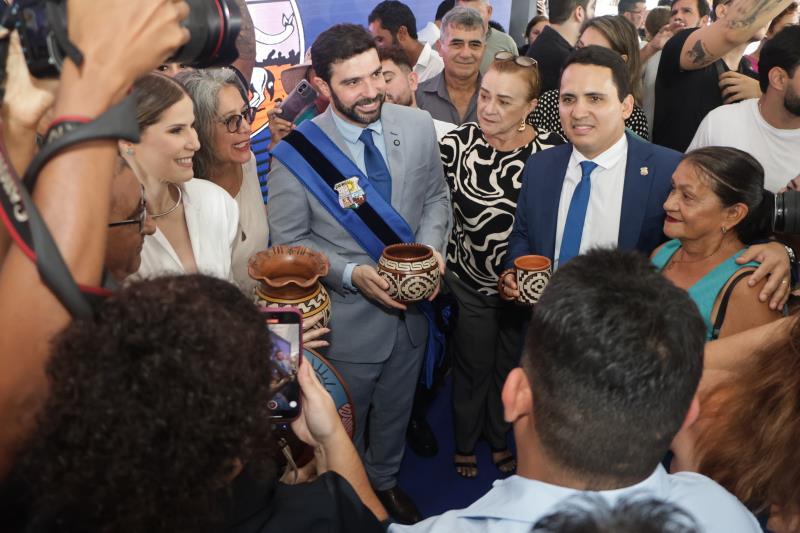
(739, 21)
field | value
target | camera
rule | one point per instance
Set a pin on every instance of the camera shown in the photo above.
(786, 213)
(42, 26)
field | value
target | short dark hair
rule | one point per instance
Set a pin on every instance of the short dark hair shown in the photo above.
(150, 403)
(702, 7)
(657, 18)
(392, 14)
(736, 177)
(782, 51)
(561, 10)
(614, 354)
(443, 8)
(396, 55)
(638, 513)
(603, 57)
(625, 6)
(339, 43)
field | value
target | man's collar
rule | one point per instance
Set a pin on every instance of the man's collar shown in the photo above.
(607, 159)
(425, 55)
(351, 132)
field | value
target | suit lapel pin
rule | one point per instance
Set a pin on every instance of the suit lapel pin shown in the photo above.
(397, 142)
(644, 171)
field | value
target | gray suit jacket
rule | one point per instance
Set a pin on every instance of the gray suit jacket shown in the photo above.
(364, 331)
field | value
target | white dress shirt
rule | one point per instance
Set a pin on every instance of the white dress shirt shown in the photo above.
(429, 63)
(429, 34)
(212, 218)
(601, 226)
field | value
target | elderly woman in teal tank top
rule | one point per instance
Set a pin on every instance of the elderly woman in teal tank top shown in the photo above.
(717, 208)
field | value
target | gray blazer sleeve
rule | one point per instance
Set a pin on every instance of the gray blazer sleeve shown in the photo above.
(436, 212)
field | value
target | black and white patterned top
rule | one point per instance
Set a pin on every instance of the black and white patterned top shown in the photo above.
(485, 185)
(545, 117)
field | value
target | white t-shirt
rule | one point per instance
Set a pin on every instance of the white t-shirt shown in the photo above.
(515, 504)
(741, 126)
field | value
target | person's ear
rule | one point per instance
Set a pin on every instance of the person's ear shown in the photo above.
(323, 87)
(402, 34)
(413, 81)
(720, 11)
(703, 21)
(778, 78)
(627, 106)
(734, 215)
(531, 106)
(579, 14)
(625, 58)
(692, 414)
(489, 11)
(517, 396)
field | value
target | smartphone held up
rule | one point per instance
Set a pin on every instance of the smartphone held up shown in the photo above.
(285, 329)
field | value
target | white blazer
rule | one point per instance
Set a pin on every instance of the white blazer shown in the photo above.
(212, 217)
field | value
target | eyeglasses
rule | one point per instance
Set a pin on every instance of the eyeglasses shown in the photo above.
(523, 61)
(141, 216)
(234, 122)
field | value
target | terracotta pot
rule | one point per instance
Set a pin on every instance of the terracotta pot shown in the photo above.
(288, 276)
(411, 270)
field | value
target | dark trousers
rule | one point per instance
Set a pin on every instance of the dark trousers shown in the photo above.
(487, 345)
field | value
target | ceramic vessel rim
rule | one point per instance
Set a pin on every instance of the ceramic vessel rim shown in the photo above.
(288, 254)
(389, 252)
(532, 262)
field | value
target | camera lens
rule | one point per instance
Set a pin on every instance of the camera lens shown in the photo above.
(787, 212)
(214, 26)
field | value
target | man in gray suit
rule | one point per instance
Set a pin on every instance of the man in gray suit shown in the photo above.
(377, 344)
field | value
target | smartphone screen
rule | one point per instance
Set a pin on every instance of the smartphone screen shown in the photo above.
(285, 331)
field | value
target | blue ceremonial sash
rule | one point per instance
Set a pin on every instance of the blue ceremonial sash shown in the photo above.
(319, 164)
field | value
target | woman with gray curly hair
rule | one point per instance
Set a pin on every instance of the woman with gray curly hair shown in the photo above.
(223, 117)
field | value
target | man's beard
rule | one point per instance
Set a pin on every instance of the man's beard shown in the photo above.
(355, 116)
(791, 101)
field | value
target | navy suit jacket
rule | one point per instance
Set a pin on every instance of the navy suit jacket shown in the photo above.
(642, 219)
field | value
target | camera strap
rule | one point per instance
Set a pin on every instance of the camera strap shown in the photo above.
(58, 24)
(24, 222)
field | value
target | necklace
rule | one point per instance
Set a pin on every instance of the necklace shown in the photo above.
(689, 262)
(174, 207)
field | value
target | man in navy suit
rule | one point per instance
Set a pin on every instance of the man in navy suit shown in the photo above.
(608, 186)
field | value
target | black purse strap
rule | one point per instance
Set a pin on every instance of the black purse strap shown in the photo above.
(723, 304)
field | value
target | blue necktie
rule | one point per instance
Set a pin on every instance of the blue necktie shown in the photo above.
(377, 171)
(576, 216)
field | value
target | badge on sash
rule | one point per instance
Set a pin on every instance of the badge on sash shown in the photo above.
(351, 195)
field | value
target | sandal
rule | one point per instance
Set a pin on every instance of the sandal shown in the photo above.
(506, 465)
(470, 468)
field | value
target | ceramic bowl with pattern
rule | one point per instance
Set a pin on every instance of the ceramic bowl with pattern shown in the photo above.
(411, 270)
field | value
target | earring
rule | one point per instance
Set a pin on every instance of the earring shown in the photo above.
(521, 126)
(129, 151)
(724, 230)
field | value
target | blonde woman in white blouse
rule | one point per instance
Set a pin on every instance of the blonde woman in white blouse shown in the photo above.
(196, 220)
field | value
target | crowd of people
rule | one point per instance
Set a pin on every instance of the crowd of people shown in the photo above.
(654, 386)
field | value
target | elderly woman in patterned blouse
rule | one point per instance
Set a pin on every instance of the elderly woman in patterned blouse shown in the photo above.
(483, 165)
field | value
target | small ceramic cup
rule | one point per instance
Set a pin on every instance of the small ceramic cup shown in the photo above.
(533, 273)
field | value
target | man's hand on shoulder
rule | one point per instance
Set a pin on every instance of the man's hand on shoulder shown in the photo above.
(374, 287)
